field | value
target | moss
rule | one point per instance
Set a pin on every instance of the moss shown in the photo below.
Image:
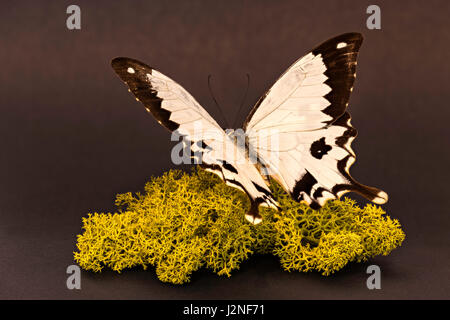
(183, 222)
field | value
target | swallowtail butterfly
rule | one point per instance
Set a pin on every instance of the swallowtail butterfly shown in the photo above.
(305, 108)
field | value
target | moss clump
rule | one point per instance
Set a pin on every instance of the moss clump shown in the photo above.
(183, 222)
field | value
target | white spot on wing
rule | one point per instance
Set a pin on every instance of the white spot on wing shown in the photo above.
(252, 219)
(381, 198)
(341, 45)
(130, 70)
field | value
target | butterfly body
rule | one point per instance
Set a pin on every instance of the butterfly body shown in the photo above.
(299, 132)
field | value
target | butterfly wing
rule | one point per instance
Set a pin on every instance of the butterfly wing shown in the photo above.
(305, 112)
(178, 111)
(166, 100)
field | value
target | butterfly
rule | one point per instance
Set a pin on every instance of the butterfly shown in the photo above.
(306, 110)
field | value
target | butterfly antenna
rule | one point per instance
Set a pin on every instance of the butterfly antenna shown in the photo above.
(215, 101)
(243, 100)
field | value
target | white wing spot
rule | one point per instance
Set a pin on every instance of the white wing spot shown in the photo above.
(137, 99)
(381, 198)
(130, 70)
(147, 109)
(341, 45)
(252, 219)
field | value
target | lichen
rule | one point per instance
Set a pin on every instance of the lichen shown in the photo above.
(183, 222)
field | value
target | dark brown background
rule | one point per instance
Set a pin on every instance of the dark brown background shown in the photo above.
(72, 137)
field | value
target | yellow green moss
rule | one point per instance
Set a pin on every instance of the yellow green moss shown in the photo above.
(183, 222)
